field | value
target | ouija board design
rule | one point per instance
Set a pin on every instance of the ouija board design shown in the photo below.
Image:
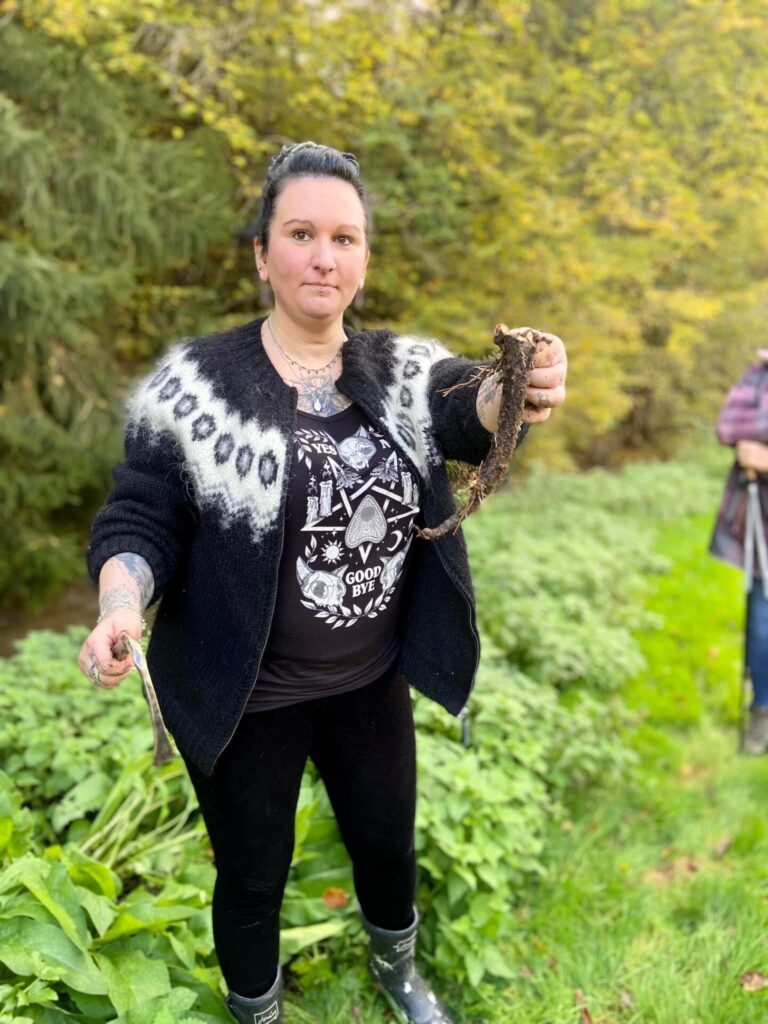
(359, 508)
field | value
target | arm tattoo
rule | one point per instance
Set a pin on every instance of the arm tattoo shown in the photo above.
(119, 598)
(141, 574)
(488, 394)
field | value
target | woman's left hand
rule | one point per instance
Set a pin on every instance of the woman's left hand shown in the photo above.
(546, 387)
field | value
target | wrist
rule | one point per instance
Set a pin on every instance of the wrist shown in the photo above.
(124, 618)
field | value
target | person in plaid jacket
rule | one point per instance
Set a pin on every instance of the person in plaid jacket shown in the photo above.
(743, 424)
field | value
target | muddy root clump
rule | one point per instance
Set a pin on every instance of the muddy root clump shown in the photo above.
(512, 367)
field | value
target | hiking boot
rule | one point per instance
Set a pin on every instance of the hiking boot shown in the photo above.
(756, 736)
(392, 965)
(266, 1009)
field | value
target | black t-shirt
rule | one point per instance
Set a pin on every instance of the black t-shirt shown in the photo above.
(352, 502)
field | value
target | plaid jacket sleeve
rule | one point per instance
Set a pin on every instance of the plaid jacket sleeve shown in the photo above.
(744, 416)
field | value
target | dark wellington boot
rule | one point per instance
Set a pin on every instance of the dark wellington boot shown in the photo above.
(266, 1009)
(392, 965)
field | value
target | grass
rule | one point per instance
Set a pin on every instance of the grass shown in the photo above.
(655, 904)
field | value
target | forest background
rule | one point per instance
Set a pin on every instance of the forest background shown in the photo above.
(593, 167)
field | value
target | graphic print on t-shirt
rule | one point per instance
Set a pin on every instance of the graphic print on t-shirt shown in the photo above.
(361, 501)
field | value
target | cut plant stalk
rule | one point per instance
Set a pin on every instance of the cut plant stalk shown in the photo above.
(512, 367)
(124, 646)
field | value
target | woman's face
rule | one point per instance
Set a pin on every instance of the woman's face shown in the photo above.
(318, 252)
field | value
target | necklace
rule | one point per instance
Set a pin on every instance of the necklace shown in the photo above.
(300, 366)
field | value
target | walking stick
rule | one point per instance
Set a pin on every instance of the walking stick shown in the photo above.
(754, 541)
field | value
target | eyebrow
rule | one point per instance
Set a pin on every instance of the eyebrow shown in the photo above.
(341, 227)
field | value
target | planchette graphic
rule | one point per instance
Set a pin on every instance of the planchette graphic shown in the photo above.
(367, 525)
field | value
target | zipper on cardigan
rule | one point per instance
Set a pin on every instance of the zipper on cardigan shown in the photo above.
(466, 736)
(463, 715)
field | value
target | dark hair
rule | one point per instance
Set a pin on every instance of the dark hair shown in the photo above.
(305, 160)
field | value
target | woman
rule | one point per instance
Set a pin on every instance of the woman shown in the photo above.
(743, 424)
(273, 477)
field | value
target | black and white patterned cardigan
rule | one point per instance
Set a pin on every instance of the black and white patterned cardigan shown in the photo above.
(201, 496)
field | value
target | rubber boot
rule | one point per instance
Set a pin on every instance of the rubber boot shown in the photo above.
(392, 964)
(266, 1009)
(756, 736)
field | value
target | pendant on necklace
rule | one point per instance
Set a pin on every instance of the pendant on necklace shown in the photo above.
(317, 405)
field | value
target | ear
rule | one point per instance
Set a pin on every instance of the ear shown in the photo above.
(365, 267)
(260, 256)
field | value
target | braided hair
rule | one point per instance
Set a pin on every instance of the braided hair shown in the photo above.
(305, 160)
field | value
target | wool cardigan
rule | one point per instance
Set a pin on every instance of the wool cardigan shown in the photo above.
(201, 496)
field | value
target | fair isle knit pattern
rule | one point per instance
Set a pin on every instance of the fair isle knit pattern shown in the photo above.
(201, 496)
(406, 407)
(236, 465)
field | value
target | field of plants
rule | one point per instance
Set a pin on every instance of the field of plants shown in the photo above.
(588, 691)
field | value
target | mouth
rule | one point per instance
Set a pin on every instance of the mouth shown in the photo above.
(320, 284)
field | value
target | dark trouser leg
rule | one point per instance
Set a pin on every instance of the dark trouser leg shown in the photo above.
(364, 748)
(757, 643)
(249, 807)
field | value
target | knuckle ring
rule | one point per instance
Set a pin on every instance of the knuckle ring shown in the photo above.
(93, 671)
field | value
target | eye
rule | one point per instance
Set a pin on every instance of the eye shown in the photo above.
(345, 239)
(300, 232)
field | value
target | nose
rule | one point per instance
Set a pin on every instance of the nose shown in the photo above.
(323, 258)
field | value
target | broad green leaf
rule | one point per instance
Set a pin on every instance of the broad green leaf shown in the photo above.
(33, 949)
(475, 968)
(101, 911)
(497, 965)
(164, 1009)
(49, 883)
(183, 944)
(23, 904)
(86, 796)
(206, 983)
(85, 871)
(294, 939)
(457, 888)
(145, 916)
(50, 1015)
(133, 978)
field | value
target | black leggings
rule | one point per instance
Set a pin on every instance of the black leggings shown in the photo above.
(364, 748)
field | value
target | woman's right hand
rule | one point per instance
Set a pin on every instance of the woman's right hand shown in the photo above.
(753, 455)
(97, 659)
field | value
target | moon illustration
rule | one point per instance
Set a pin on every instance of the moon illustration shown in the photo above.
(399, 537)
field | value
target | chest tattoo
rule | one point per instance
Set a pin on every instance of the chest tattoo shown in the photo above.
(319, 395)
